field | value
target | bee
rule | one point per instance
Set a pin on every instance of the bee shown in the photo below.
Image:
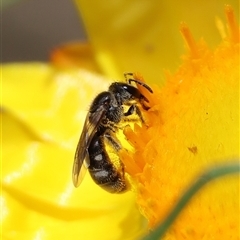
(101, 124)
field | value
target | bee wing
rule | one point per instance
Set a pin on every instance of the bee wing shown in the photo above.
(81, 159)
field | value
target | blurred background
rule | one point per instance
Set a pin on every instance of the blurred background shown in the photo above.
(32, 28)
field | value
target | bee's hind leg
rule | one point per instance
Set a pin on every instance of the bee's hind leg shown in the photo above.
(112, 140)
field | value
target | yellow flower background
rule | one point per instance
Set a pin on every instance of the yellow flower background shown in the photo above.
(44, 105)
(39, 140)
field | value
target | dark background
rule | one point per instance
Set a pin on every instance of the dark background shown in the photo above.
(32, 28)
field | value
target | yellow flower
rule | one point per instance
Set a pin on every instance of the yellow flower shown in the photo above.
(42, 113)
(192, 125)
(142, 36)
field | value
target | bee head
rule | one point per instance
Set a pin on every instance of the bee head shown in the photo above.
(124, 92)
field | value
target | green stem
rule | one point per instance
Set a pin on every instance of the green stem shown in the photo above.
(209, 175)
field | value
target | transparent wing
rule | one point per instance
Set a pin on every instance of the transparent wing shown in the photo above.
(81, 159)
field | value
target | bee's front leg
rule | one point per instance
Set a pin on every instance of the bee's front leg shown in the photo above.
(134, 109)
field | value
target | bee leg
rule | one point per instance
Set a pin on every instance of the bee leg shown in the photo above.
(127, 75)
(116, 145)
(130, 111)
(133, 108)
(112, 140)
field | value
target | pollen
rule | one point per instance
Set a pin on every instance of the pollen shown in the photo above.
(192, 123)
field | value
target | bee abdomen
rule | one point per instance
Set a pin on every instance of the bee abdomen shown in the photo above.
(102, 171)
(108, 179)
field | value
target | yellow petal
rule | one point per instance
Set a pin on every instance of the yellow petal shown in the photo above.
(42, 114)
(140, 36)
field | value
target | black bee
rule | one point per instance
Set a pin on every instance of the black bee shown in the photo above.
(102, 122)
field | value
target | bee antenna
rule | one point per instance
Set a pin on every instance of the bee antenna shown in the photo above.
(141, 83)
(129, 80)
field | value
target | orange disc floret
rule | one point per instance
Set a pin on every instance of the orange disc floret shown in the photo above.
(193, 124)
